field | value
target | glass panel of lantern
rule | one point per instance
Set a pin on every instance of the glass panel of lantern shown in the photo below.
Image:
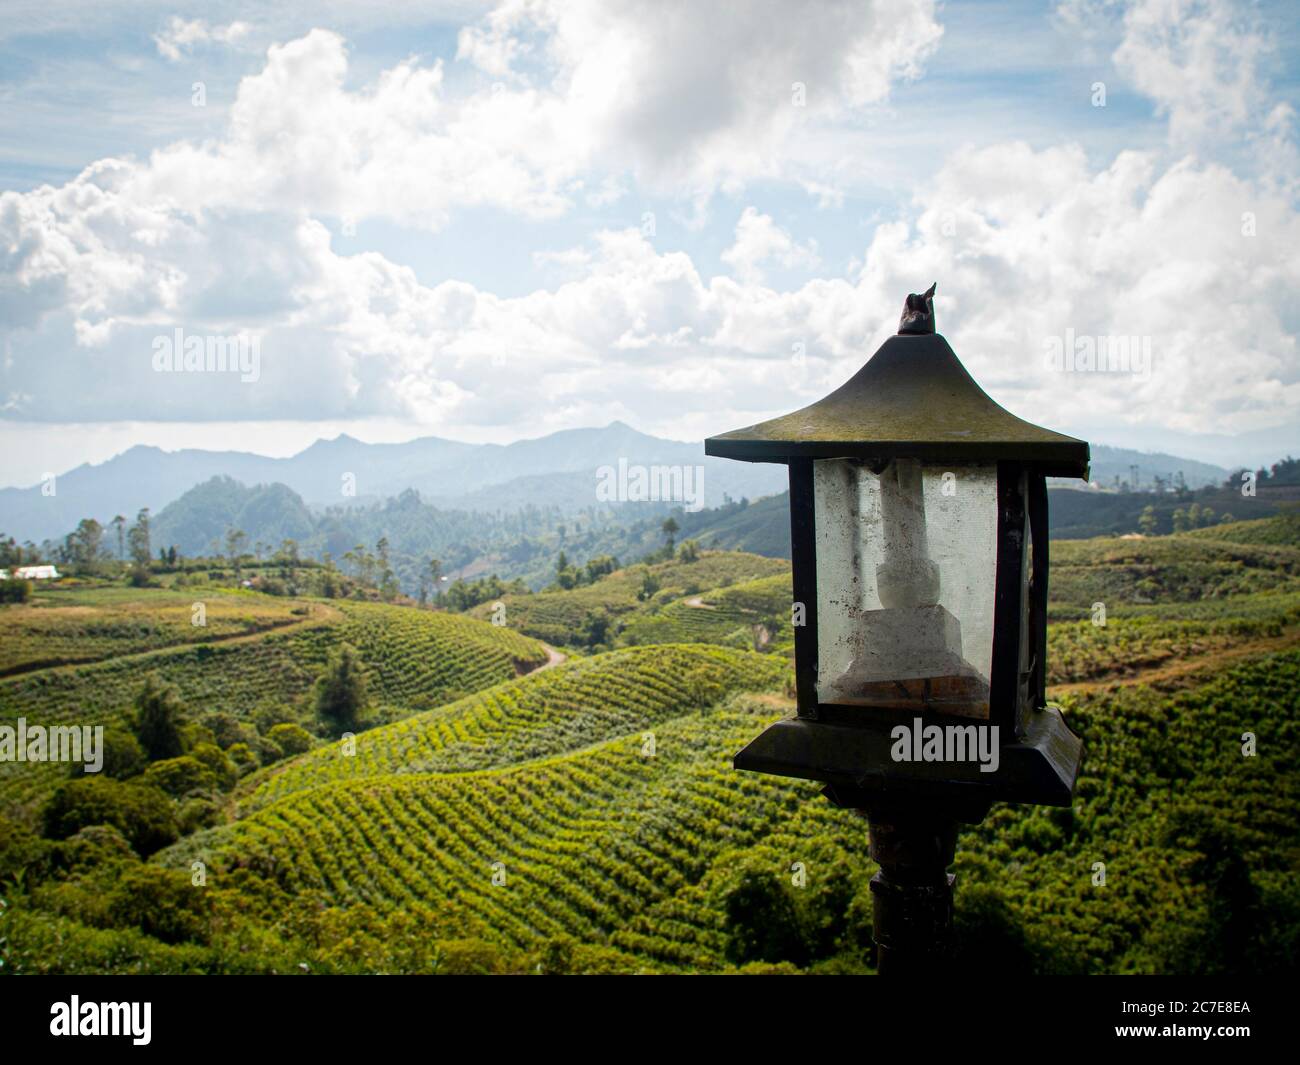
(906, 556)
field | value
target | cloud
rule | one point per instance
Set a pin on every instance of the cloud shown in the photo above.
(1027, 242)
(181, 35)
(682, 100)
(759, 239)
(703, 97)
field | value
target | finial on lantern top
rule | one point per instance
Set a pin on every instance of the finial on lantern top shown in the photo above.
(918, 312)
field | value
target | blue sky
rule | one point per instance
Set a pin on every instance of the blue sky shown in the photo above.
(489, 221)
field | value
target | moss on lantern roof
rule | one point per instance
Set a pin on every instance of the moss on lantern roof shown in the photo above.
(915, 398)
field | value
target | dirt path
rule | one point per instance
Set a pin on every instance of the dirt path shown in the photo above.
(553, 658)
(699, 603)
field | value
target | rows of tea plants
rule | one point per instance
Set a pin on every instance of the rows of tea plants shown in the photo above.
(722, 616)
(62, 627)
(595, 844)
(617, 848)
(413, 659)
(1196, 832)
(1164, 569)
(577, 704)
(1081, 650)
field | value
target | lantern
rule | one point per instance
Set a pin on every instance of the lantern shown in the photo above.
(919, 535)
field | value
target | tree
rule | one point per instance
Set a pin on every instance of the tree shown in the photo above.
(435, 575)
(388, 587)
(339, 697)
(138, 540)
(1180, 520)
(670, 529)
(235, 541)
(594, 629)
(119, 526)
(85, 545)
(158, 719)
(1148, 522)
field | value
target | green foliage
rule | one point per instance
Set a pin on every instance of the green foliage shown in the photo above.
(340, 699)
(142, 814)
(761, 919)
(217, 763)
(604, 788)
(123, 755)
(291, 739)
(630, 593)
(14, 590)
(162, 903)
(158, 719)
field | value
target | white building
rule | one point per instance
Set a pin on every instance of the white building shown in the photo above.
(31, 573)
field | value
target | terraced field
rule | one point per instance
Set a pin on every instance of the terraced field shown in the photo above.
(613, 847)
(1141, 638)
(1163, 569)
(413, 659)
(725, 616)
(606, 844)
(60, 627)
(581, 703)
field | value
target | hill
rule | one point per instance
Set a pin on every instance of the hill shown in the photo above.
(560, 617)
(585, 817)
(413, 659)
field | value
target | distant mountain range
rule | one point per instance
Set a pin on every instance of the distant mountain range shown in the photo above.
(559, 469)
(551, 472)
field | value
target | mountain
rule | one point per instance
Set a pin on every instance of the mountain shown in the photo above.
(559, 469)
(1113, 465)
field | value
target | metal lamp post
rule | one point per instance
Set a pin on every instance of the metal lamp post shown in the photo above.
(919, 534)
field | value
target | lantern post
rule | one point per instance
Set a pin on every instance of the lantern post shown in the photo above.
(919, 548)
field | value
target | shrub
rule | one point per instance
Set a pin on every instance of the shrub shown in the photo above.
(162, 903)
(123, 756)
(141, 813)
(760, 918)
(15, 591)
(197, 813)
(245, 761)
(180, 776)
(472, 957)
(216, 760)
(291, 739)
(91, 847)
(19, 848)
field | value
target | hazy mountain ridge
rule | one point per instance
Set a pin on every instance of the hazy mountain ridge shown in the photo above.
(455, 474)
(552, 473)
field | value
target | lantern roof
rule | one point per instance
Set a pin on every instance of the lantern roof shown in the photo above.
(913, 398)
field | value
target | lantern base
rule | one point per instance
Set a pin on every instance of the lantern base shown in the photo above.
(1038, 767)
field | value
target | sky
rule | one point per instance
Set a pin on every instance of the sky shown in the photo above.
(493, 221)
